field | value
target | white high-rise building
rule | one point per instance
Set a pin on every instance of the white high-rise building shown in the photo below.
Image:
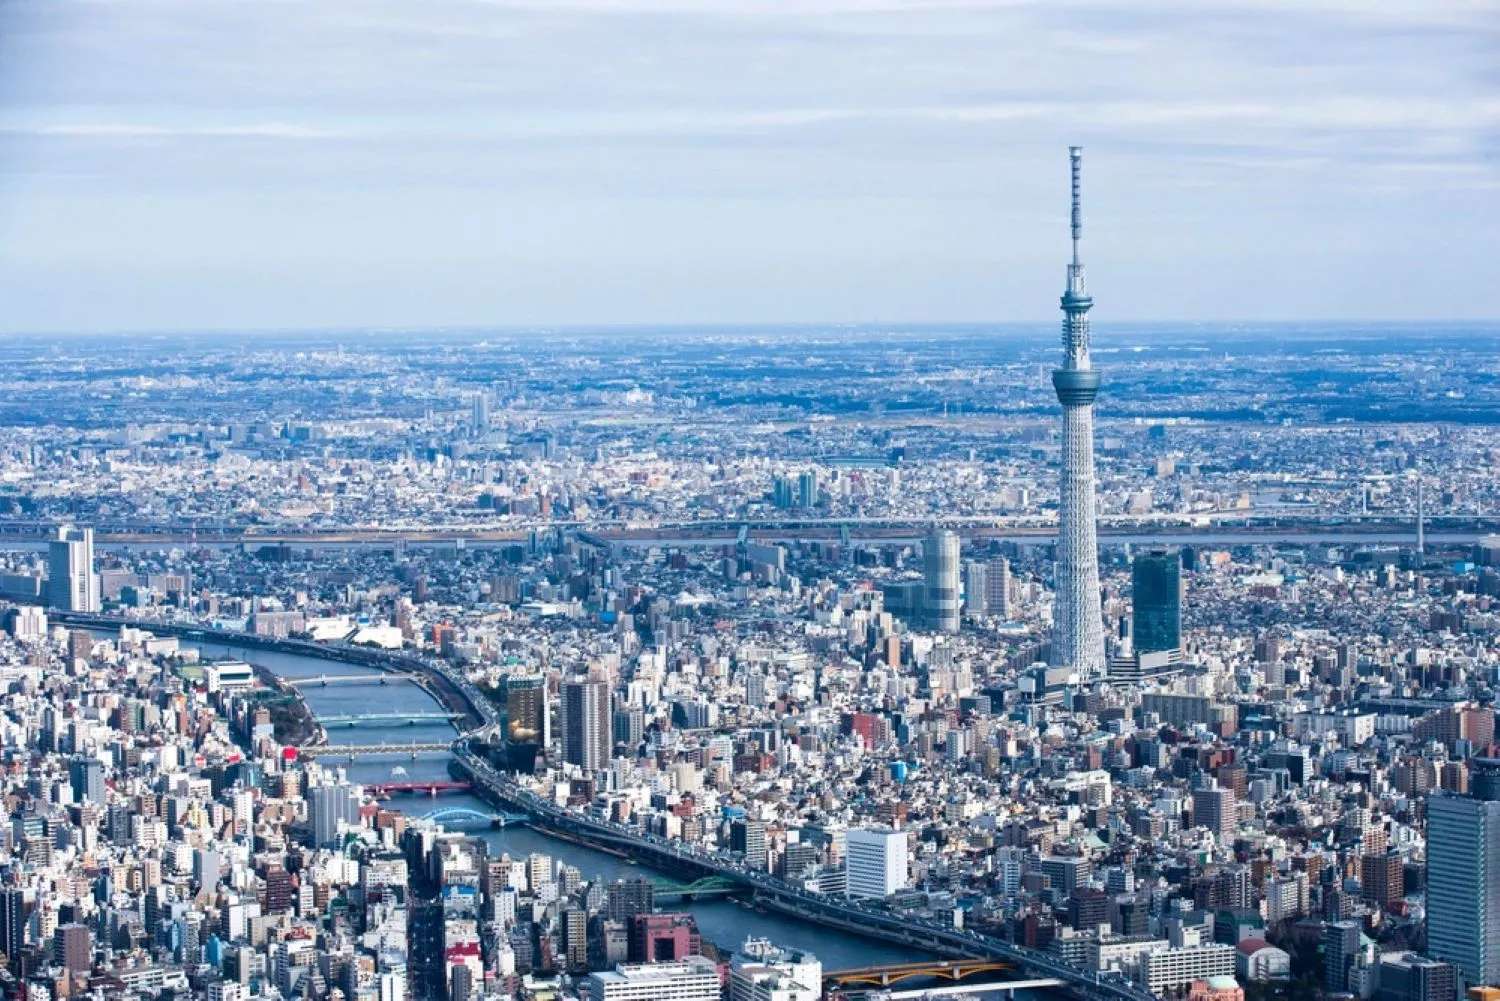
(393, 985)
(27, 624)
(940, 598)
(71, 582)
(875, 862)
(997, 579)
(1077, 624)
(480, 406)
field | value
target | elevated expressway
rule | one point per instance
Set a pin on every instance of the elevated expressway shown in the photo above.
(855, 916)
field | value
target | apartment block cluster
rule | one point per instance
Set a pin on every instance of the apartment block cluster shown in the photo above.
(1240, 793)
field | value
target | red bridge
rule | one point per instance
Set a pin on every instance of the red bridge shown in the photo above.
(431, 788)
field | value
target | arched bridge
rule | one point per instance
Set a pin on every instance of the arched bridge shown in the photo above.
(936, 969)
(461, 816)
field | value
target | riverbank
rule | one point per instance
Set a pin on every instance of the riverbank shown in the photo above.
(723, 921)
(292, 718)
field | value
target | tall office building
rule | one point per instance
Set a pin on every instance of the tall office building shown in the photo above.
(586, 723)
(997, 579)
(13, 917)
(1156, 600)
(526, 720)
(1341, 953)
(71, 582)
(1463, 877)
(86, 777)
(875, 863)
(748, 838)
(72, 947)
(940, 601)
(333, 806)
(1077, 624)
(976, 588)
(807, 488)
(481, 411)
(1215, 808)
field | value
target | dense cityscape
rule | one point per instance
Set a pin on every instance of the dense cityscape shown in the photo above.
(759, 664)
(680, 664)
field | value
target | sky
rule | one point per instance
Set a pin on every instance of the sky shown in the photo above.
(267, 164)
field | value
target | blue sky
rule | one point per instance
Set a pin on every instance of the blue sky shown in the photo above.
(235, 164)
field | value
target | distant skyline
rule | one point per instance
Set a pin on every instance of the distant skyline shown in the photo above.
(228, 165)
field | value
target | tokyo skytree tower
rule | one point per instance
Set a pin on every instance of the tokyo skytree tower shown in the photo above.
(1077, 626)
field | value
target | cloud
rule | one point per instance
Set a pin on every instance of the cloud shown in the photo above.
(136, 130)
(856, 149)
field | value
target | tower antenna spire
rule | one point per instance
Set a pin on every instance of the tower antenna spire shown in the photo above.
(1075, 158)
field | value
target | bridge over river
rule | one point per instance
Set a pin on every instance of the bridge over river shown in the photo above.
(861, 917)
(691, 866)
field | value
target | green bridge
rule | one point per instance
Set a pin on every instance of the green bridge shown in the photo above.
(699, 889)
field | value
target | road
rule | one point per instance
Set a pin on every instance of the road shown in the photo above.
(866, 917)
(723, 531)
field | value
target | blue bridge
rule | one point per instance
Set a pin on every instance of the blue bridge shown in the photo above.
(459, 816)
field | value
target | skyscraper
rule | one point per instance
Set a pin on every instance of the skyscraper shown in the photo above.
(586, 723)
(1341, 949)
(875, 862)
(480, 417)
(748, 837)
(1463, 878)
(333, 806)
(86, 777)
(13, 916)
(940, 592)
(997, 579)
(976, 588)
(1214, 808)
(526, 709)
(1077, 626)
(1156, 600)
(71, 584)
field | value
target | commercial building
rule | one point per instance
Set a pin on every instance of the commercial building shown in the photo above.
(940, 597)
(86, 777)
(333, 807)
(694, 979)
(1405, 976)
(71, 582)
(763, 972)
(1173, 969)
(1463, 878)
(875, 862)
(586, 740)
(1156, 601)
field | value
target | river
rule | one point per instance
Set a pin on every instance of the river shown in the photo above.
(726, 923)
